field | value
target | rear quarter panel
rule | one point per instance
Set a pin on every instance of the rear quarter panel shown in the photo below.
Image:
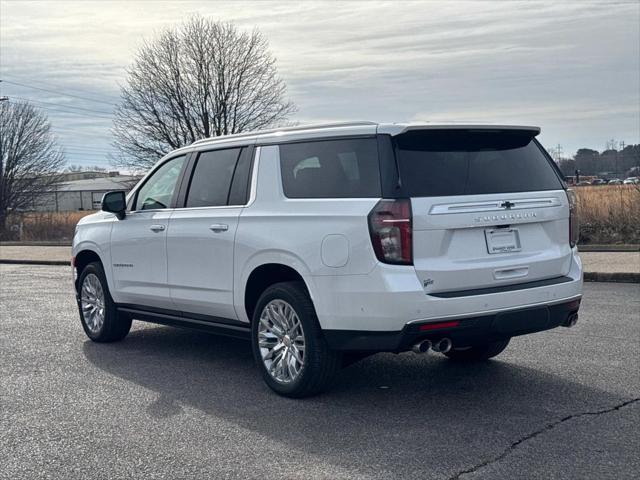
(316, 237)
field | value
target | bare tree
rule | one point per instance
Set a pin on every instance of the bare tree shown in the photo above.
(30, 157)
(200, 79)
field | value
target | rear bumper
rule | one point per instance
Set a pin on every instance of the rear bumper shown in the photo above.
(392, 296)
(466, 332)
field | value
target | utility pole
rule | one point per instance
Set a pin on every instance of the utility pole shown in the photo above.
(622, 145)
(558, 152)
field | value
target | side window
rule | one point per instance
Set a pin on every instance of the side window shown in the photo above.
(158, 189)
(331, 169)
(211, 178)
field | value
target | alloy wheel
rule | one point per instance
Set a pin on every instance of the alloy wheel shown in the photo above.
(281, 341)
(92, 303)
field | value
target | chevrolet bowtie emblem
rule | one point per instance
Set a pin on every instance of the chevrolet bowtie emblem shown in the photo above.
(507, 204)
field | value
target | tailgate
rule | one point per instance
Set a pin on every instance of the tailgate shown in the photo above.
(489, 207)
(469, 242)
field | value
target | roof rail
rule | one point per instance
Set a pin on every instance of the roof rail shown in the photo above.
(287, 129)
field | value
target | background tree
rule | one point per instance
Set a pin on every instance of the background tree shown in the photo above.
(30, 157)
(630, 159)
(201, 79)
(587, 161)
(567, 166)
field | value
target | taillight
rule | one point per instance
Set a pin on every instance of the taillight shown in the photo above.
(391, 231)
(574, 223)
(435, 326)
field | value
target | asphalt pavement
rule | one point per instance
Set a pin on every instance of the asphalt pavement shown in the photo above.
(171, 403)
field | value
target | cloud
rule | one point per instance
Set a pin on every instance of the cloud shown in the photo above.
(571, 67)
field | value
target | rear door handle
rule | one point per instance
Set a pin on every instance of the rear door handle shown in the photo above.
(157, 228)
(219, 227)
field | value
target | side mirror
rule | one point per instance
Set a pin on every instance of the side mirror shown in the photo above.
(114, 202)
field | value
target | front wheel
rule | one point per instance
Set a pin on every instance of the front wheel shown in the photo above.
(480, 352)
(288, 344)
(98, 314)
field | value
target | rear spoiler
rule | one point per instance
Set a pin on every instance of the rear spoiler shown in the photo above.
(397, 129)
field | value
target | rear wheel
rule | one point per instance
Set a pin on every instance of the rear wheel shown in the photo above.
(98, 314)
(288, 344)
(484, 351)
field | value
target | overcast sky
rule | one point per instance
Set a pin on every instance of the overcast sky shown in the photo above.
(572, 67)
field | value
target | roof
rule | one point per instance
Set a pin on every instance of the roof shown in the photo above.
(121, 182)
(278, 135)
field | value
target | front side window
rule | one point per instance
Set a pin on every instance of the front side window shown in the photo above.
(331, 169)
(158, 190)
(211, 179)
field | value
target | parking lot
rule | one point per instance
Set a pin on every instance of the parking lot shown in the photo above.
(170, 403)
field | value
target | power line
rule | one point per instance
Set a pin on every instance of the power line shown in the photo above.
(74, 152)
(77, 131)
(85, 158)
(96, 152)
(87, 150)
(63, 105)
(56, 91)
(80, 159)
(91, 145)
(55, 109)
(97, 158)
(92, 161)
(52, 109)
(89, 161)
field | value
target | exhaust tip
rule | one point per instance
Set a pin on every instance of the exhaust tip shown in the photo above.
(422, 346)
(443, 345)
(571, 320)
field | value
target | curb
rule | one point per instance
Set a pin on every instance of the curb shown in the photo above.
(608, 248)
(35, 244)
(613, 277)
(35, 262)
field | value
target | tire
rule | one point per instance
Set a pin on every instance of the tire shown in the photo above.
(277, 351)
(98, 314)
(480, 352)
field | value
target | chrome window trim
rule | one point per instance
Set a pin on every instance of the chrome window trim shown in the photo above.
(253, 188)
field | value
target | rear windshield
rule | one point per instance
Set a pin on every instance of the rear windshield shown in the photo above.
(467, 162)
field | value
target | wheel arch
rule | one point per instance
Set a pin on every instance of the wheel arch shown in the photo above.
(262, 277)
(83, 258)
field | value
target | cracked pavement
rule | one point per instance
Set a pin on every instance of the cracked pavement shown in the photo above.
(546, 428)
(169, 403)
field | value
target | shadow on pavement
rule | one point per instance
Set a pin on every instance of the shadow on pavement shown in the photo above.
(382, 414)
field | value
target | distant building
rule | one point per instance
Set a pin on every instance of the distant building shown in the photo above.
(83, 191)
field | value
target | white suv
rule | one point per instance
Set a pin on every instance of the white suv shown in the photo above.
(323, 244)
